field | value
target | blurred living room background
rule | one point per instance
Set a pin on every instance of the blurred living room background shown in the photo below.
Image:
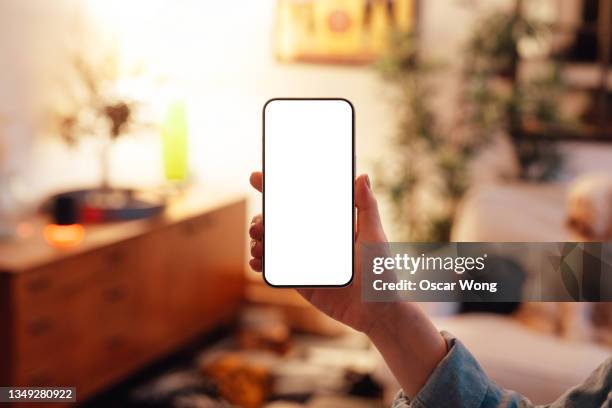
(128, 130)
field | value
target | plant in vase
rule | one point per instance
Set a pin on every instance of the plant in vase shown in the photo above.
(99, 109)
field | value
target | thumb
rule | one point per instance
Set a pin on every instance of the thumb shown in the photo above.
(369, 227)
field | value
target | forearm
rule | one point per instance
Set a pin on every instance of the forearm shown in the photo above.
(410, 344)
(436, 370)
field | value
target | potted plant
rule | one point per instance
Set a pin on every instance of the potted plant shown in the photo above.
(99, 110)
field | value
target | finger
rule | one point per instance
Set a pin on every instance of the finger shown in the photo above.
(255, 264)
(369, 226)
(256, 231)
(257, 180)
(256, 249)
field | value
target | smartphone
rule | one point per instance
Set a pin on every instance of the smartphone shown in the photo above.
(308, 192)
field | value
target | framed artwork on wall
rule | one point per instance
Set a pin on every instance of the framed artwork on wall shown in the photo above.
(339, 31)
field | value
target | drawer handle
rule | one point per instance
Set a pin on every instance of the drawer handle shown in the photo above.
(189, 228)
(39, 285)
(192, 227)
(39, 380)
(115, 258)
(207, 221)
(114, 343)
(112, 261)
(40, 326)
(115, 294)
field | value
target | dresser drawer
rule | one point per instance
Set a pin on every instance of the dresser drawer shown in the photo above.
(38, 288)
(111, 352)
(56, 307)
(47, 359)
(99, 337)
(102, 265)
(208, 235)
(52, 328)
(41, 288)
(102, 303)
(57, 372)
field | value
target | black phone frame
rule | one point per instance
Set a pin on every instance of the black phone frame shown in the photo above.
(263, 190)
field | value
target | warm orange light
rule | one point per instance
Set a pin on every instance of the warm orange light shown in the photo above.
(64, 236)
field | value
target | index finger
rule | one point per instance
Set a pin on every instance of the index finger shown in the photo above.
(257, 180)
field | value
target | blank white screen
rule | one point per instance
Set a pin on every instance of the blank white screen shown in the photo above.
(308, 192)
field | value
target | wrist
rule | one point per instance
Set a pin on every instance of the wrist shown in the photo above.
(389, 319)
(410, 344)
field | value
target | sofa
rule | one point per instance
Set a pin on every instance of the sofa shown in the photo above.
(539, 365)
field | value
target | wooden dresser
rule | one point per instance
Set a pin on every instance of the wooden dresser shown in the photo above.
(129, 293)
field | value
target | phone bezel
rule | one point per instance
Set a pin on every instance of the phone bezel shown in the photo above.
(263, 170)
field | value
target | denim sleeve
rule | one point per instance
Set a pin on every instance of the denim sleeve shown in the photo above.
(459, 381)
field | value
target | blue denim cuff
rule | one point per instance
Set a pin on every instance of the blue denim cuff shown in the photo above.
(457, 381)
